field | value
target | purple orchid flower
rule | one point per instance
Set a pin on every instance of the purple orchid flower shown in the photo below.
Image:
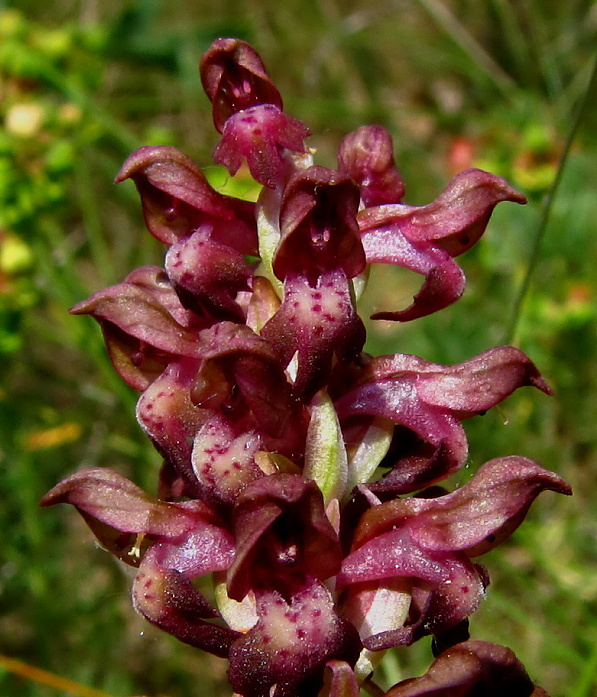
(319, 251)
(430, 541)
(367, 156)
(177, 199)
(431, 400)
(425, 239)
(247, 111)
(170, 543)
(247, 348)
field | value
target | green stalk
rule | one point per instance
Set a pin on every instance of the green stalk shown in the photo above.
(547, 206)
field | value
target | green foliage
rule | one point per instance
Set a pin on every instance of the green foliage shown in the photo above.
(495, 88)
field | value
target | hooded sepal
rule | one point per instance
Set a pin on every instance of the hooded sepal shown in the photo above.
(471, 668)
(187, 537)
(282, 536)
(318, 226)
(177, 199)
(430, 541)
(234, 78)
(492, 504)
(144, 325)
(367, 156)
(431, 400)
(242, 377)
(445, 587)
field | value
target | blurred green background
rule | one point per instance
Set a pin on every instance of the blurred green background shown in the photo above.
(490, 83)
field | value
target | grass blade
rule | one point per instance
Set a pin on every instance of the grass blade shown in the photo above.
(547, 207)
(44, 677)
(467, 43)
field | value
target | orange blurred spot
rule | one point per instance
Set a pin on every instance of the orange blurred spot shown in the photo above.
(461, 154)
(53, 437)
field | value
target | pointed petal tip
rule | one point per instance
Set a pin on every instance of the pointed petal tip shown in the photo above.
(80, 308)
(148, 155)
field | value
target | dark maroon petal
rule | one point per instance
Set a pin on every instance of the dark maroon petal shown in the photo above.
(419, 466)
(390, 555)
(116, 501)
(136, 312)
(471, 668)
(177, 198)
(282, 534)
(168, 600)
(430, 400)
(291, 643)
(137, 363)
(367, 156)
(242, 371)
(469, 387)
(144, 324)
(438, 608)
(319, 231)
(397, 399)
(424, 238)
(444, 284)
(154, 281)
(206, 548)
(260, 135)
(454, 221)
(234, 78)
(444, 279)
(474, 518)
(457, 597)
(319, 322)
(208, 274)
(453, 585)
(120, 515)
(493, 504)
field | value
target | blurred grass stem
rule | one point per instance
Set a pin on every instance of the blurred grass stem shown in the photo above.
(467, 43)
(46, 678)
(547, 205)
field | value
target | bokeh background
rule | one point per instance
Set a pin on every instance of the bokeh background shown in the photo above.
(497, 84)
